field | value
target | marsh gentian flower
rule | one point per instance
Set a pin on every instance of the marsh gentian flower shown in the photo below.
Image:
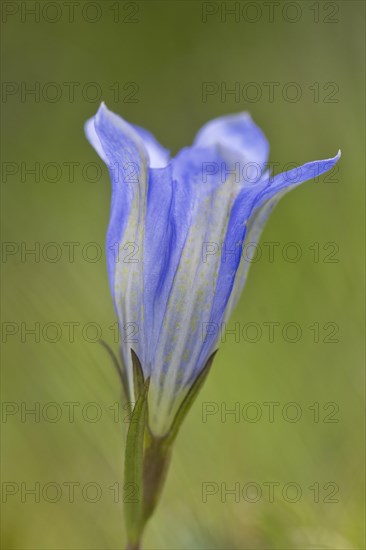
(175, 242)
(175, 239)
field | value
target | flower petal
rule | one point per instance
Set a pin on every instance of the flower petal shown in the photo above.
(237, 133)
(292, 178)
(252, 235)
(127, 160)
(273, 189)
(179, 286)
(158, 155)
(93, 139)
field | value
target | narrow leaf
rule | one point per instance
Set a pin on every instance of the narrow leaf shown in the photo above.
(134, 459)
(189, 400)
(138, 375)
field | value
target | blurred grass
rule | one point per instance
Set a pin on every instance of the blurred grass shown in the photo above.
(169, 53)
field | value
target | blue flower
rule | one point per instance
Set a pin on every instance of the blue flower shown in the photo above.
(175, 241)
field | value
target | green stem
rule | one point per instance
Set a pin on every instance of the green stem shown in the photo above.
(156, 460)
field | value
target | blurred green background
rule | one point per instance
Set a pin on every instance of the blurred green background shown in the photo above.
(167, 50)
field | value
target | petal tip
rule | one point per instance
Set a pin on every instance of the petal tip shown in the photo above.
(102, 111)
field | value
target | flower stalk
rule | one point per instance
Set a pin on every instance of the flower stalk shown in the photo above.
(156, 463)
(156, 460)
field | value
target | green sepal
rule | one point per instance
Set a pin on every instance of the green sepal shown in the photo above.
(120, 371)
(134, 454)
(189, 400)
(138, 375)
